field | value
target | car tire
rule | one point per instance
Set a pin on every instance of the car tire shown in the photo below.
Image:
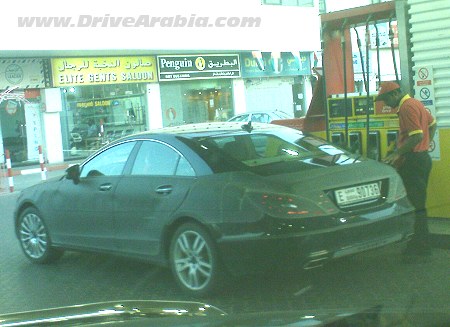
(34, 238)
(194, 260)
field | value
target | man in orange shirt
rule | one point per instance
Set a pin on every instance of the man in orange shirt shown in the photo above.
(411, 158)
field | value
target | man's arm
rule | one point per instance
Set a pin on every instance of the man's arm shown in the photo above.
(410, 143)
(408, 146)
(432, 130)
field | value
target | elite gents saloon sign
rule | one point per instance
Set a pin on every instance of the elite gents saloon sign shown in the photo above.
(103, 70)
(176, 68)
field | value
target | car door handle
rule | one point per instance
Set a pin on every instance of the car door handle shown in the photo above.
(164, 189)
(105, 187)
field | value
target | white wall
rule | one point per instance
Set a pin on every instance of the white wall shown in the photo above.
(53, 147)
(239, 96)
(154, 112)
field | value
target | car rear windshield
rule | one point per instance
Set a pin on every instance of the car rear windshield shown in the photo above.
(267, 153)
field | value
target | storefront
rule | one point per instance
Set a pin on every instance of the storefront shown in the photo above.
(103, 98)
(276, 81)
(197, 88)
(21, 116)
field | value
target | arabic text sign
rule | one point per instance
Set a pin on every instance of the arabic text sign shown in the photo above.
(34, 129)
(173, 68)
(103, 70)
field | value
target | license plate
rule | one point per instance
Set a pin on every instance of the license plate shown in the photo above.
(357, 194)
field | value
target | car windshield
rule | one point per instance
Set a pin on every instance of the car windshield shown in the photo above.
(267, 153)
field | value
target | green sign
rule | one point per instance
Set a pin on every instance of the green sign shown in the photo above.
(355, 125)
(176, 68)
(290, 65)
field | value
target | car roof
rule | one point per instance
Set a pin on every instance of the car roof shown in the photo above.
(211, 128)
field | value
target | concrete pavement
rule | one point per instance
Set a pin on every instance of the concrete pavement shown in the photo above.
(25, 176)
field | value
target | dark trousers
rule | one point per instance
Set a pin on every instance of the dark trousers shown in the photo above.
(415, 172)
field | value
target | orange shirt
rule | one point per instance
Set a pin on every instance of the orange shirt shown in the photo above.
(414, 118)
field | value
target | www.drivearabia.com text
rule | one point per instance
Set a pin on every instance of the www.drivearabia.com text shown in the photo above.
(107, 21)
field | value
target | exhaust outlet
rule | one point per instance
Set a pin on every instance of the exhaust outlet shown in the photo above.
(315, 263)
(317, 260)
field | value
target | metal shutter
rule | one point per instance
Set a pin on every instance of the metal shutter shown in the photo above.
(430, 37)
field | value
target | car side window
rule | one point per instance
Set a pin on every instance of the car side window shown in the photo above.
(110, 162)
(155, 158)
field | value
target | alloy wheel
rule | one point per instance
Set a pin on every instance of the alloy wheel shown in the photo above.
(33, 236)
(193, 260)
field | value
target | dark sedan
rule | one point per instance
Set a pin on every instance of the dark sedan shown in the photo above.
(217, 199)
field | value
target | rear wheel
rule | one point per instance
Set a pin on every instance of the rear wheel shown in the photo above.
(34, 238)
(194, 260)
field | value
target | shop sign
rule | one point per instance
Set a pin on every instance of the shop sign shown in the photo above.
(178, 67)
(32, 94)
(290, 65)
(93, 104)
(34, 129)
(103, 70)
(22, 73)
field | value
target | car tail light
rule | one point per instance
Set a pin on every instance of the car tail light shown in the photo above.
(286, 206)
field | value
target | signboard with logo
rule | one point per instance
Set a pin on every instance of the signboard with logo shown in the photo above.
(424, 92)
(93, 104)
(103, 70)
(22, 74)
(268, 67)
(179, 67)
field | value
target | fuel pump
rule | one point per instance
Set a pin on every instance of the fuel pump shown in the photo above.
(356, 121)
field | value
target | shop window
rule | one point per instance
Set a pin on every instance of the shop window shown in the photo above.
(196, 101)
(98, 114)
(20, 127)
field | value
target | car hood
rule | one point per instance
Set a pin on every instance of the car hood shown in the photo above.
(110, 312)
(185, 313)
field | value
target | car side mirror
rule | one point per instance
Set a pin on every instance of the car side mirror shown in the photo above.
(73, 173)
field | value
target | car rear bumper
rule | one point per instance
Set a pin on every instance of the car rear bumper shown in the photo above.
(263, 252)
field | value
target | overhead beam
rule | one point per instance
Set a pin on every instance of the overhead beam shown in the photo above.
(358, 16)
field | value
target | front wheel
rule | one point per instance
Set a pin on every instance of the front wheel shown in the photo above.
(194, 260)
(34, 238)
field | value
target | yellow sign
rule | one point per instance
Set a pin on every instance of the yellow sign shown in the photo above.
(103, 70)
(92, 103)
